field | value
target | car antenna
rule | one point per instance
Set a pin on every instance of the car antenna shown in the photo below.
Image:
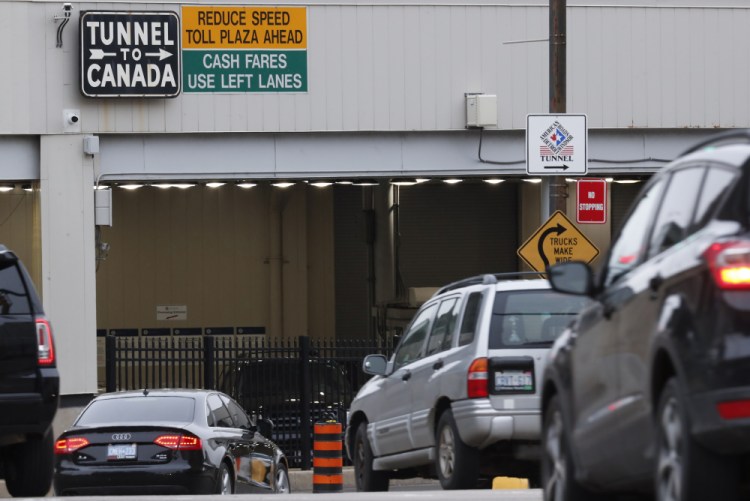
(145, 392)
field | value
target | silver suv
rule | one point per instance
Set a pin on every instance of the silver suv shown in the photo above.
(459, 398)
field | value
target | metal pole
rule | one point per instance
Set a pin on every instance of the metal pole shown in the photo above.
(558, 188)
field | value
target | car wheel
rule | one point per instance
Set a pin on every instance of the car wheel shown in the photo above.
(365, 477)
(29, 471)
(226, 486)
(558, 471)
(685, 470)
(282, 484)
(457, 463)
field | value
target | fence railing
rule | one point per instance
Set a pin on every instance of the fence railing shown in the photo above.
(294, 382)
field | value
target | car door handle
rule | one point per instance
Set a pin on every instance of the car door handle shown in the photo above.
(406, 376)
(438, 365)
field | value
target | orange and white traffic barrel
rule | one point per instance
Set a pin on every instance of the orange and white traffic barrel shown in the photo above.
(328, 458)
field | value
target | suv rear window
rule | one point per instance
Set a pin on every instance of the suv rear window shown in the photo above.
(14, 298)
(531, 318)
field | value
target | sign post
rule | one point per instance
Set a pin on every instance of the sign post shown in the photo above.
(130, 54)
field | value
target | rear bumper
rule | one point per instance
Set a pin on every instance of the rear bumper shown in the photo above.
(181, 478)
(726, 436)
(30, 413)
(480, 425)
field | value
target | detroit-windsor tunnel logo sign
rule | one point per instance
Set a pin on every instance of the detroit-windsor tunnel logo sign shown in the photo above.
(129, 54)
(558, 240)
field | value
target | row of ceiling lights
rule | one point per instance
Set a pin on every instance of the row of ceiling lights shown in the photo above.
(326, 183)
(4, 188)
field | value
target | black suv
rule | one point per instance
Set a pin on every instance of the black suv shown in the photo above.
(648, 391)
(29, 383)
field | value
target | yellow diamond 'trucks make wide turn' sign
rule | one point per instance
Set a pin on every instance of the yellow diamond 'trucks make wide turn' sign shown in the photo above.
(556, 241)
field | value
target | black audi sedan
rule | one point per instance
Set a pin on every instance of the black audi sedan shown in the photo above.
(168, 442)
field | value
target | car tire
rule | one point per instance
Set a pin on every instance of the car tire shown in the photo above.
(225, 485)
(281, 484)
(366, 479)
(685, 470)
(558, 471)
(457, 464)
(28, 472)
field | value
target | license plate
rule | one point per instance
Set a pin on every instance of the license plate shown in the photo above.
(116, 452)
(510, 380)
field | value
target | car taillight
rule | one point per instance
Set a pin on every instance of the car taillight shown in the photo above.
(476, 379)
(179, 442)
(68, 445)
(46, 353)
(735, 409)
(729, 263)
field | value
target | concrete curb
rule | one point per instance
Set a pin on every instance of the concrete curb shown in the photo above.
(301, 480)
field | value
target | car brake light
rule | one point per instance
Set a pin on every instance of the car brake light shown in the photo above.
(735, 409)
(729, 263)
(179, 442)
(46, 353)
(476, 379)
(68, 445)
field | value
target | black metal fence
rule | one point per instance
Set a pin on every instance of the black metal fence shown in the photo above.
(290, 381)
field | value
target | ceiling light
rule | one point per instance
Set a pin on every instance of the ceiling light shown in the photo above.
(452, 181)
(26, 187)
(321, 183)
(344, 181)
(364, 182)
(246, 186)
(283, 184)
(609, 179)
(6, 187)
(404, 182)
(101, 187)
(422, 180)
(162, 186)
(627, 181)
(534, 180)
(494, 180)
(214, 184)
(183, 186)
(131, 187)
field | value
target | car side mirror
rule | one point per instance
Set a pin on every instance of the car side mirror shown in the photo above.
(375, 365)
(265, 427)
(572, 277)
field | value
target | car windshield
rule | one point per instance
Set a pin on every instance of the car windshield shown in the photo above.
(175, 410)
(531, 318)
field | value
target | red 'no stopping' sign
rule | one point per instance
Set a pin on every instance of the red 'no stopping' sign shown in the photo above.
(591, 201)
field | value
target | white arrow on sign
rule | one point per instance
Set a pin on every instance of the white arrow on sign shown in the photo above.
(97, 54)
(163, 54)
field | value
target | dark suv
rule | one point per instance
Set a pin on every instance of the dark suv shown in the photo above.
(648, 391)
(29, 383)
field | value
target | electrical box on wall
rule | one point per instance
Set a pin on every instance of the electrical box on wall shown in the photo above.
(481, 110)
(103, 207)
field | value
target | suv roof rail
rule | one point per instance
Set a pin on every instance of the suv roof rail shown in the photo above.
(486, 279)
(722, 137)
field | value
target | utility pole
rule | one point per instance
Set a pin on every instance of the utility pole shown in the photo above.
(558, 187)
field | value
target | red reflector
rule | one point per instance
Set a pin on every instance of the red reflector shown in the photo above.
(68, 445)
(179, 442)
(736, 409)
(476, 379)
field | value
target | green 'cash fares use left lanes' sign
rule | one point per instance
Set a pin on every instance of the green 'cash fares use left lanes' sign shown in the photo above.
(244, 49)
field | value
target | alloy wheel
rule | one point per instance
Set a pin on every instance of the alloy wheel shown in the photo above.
(446, 452)
(282, 481)
(670, 462)
(226, 482)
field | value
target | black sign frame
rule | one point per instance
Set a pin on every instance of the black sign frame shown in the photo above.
(131, 54)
